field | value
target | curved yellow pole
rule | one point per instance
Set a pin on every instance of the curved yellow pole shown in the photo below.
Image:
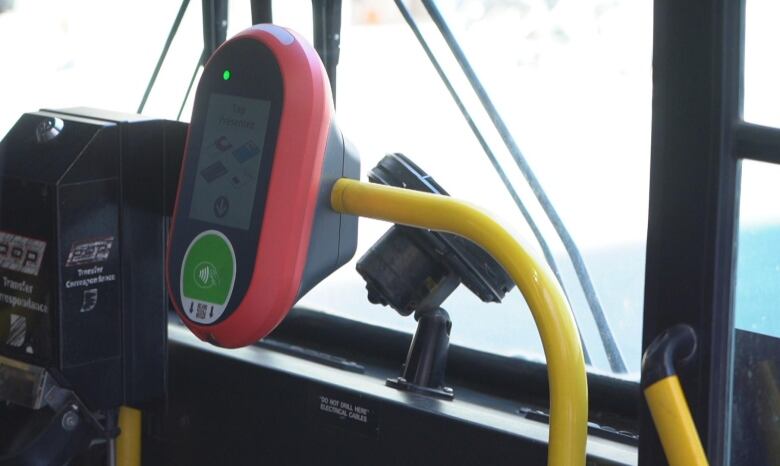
(674, 423)
(128, 444)
(565, 363)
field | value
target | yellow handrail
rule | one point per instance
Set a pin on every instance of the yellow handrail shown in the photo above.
(665, 397)
(128, 444)
(554, 320)
(674, 423)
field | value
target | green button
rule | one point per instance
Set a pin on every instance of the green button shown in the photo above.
(209, 269)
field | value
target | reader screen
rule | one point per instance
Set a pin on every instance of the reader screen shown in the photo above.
(229, 160)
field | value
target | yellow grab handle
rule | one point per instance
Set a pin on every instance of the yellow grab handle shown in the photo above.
(128, 444)
(665, 396)
(554, 320)
(674, 423)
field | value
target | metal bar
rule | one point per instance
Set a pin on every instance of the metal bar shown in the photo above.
(112, 417)
(548, 256)
(665, 398)
(327, 36)
(758, 142)
(215, 24)
(261, 11)
(679, 438)
(578, 263)
(201, 60)
(168, 41)
(558, 332)
(128, 444)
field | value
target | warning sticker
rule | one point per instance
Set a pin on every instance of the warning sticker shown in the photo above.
(21, 254)
(341, 409)
(90, 251)
(24, 304)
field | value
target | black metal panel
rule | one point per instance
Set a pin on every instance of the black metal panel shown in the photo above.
(697, 95)
(44, 161)
(89, 310)
(152, 153)
(85, 190)
(262, 408)
(223, 411)
(613, 401)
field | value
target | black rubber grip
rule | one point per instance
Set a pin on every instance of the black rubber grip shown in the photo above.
(676, 345)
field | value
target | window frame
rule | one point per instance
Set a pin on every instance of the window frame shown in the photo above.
(699, 139)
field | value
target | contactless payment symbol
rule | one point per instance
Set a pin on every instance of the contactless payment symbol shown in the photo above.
(207, 277)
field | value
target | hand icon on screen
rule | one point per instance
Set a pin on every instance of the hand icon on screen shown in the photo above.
(223, 144)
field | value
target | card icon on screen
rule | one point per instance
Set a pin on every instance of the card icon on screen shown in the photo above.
(246, 151)
(238, 180)
(213, 171)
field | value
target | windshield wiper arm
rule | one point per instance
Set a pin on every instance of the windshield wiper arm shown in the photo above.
(490, 155)
(608, 340)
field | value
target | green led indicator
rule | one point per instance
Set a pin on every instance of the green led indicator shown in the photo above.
(226, 75)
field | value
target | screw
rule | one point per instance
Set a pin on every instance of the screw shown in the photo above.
(70, 420)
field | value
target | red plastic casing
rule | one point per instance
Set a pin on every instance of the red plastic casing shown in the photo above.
(291, 199)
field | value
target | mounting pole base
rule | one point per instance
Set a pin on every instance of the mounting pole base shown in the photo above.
(426, 361)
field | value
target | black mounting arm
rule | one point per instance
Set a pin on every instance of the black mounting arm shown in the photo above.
(415, 271)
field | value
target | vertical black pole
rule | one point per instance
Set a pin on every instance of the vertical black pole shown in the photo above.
(215, 23)
(261, 11)
(692, 217)
(327, 36)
